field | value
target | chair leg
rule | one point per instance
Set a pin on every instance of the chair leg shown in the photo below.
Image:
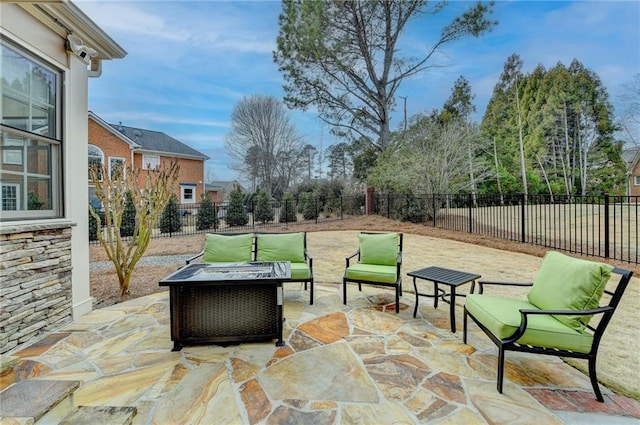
(500, 368)
(310, 294)
(344, 291)
(594, 379)
(359, 286)
(464, 326)
(398, 299)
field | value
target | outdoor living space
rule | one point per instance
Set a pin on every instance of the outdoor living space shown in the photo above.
(354, 363)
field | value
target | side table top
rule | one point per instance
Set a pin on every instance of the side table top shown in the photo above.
(443, 275)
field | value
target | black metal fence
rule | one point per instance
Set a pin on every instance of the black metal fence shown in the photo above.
(600, 226)
(290, 213)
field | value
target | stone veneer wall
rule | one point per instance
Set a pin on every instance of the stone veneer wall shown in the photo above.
(35, 292)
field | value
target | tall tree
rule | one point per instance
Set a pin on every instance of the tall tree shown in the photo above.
(629, 119)
(339, 161)
(260, 133)
(340, 56)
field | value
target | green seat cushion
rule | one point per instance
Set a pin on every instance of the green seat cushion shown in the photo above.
(280, 247)
(379, 248)
(501, 316)
(300, 271)
(567, 283)
(372, 273)
(228, 248)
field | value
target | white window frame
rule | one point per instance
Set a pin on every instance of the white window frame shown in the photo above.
(114, 160)
(150, 162)
(15, 186)
(13, 156)
(41, 139)
(636, 180)
(100, 176)
(183, 190)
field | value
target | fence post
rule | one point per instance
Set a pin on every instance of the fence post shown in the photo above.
(433, 202)
(470, 204)
(523, 202)
(341, 208)
(388, 205)
(607, 236)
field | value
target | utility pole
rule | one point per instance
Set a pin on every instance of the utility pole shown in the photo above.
(404, 98)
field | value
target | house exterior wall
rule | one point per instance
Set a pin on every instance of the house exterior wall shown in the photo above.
(111, 146)
(634, 186)
(191, 171)
(44, 272)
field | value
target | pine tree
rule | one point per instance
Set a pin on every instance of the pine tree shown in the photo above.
(263, 212)
(288, 209)
(236, 214)
(207, 214)
(128, 217)
(170, 221)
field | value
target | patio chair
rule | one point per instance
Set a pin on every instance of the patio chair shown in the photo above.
(379, 261)
(554, 319)
(290, 247)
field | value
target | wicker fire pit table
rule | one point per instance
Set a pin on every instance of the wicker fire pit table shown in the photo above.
(227, 302)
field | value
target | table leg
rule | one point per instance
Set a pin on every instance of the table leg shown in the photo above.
(435, 294)
(415, 289)
(452, 312)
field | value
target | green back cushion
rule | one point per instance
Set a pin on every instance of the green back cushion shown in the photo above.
(379, 248)
(280, 247)
(567, 283)
(226, 249)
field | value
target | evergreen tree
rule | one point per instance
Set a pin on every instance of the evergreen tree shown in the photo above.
(170, 221)
(207, 214)
(263, 212)
(236, 214)
(309, 207)
(288, 209)
(128, 217)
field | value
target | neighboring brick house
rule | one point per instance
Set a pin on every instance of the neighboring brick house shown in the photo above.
(117, 145)
(48, 52)
(218, 191)
(632, 158)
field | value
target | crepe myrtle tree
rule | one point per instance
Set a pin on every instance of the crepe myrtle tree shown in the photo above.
(150, 191)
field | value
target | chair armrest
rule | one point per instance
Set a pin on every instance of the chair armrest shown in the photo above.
(352, 255)
(492, 282)
(399, 258)
(189, 260)
(309, 258)
(524, 313)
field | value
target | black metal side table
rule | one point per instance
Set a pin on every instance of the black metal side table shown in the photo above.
(452, 278)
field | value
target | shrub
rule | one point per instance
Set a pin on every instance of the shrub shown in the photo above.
(309, 209)
(207, 214)
(263, 212)
(170, 221)
(236, 214)
(128, 224)
(288, 209)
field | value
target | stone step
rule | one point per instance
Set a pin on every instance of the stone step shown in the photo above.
(37, 401)
(7, 375)
(103, 415)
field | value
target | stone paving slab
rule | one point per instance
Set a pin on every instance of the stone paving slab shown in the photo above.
(355, 364)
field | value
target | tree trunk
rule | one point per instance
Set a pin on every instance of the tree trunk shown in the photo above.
(523, 165)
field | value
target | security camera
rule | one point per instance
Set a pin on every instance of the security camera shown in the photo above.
(75, 45)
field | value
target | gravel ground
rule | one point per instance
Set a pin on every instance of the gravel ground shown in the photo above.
(155, 260)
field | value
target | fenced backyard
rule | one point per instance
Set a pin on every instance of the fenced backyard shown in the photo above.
(600, 226)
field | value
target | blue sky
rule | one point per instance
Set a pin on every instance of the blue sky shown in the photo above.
(190, 62)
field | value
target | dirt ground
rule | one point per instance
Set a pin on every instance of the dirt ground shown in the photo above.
(494, 259)
(104, 283)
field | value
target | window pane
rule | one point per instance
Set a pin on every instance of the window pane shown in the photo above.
(38, 193)
(25, 82)
(39, 158)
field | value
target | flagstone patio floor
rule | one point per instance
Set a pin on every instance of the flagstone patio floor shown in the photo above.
(355, 364)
